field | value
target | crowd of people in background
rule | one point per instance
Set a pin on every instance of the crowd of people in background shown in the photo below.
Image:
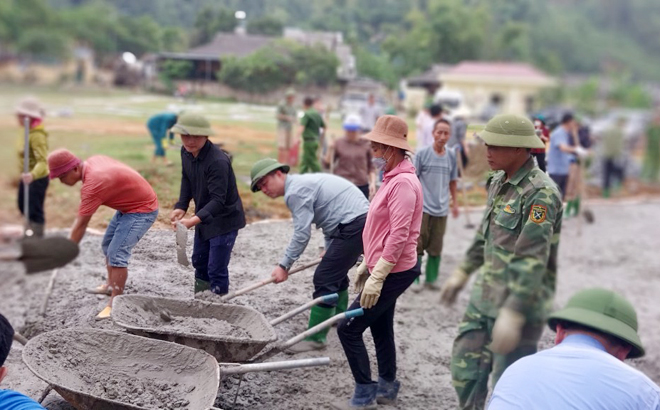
(389, 202)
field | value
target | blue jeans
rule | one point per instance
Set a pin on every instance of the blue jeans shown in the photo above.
(123, 233)
(211, 258)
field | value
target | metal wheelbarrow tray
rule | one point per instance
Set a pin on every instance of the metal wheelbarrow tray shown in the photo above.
(231, 333)
(104, 370)
(140, 315)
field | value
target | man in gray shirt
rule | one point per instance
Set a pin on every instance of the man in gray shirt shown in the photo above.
(437, 171)
(336, 206)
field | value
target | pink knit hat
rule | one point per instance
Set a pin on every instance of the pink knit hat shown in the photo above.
(61, 161)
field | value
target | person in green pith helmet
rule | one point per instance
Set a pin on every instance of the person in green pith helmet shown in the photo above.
(515, 251)
(337, 207)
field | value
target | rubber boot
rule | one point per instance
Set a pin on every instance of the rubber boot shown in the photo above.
(568, 209)
(37, 230)
(432, 269)
(576, 206)
(417, 286)
(364, 398)
(201, 285)
(387, 391)
(342, 302)
(317, 341)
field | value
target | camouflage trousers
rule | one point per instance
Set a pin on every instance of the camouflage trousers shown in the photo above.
(472, 362)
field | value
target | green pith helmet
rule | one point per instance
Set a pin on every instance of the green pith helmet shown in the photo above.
(262, 168)
(290, 92)
(509, 130)
(192, 124)
(605, 311)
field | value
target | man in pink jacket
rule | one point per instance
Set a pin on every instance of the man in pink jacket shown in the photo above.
(390, 265)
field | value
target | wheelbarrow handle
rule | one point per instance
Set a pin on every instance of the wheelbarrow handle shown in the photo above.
(323, 325)
(232, 368)
(257, 285)
(328, 299)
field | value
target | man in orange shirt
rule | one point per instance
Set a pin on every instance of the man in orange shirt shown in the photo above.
(108, 182)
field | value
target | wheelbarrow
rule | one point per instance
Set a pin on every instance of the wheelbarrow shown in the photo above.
(245, 331)
(107, 370)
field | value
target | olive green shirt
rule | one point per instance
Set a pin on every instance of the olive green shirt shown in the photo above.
(289, 110)
(516, 244)
(313, 122)
(38, 145)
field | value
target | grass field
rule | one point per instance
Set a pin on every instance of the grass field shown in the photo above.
(112, 122)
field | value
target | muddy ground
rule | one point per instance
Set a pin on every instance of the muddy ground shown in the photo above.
(619, 251)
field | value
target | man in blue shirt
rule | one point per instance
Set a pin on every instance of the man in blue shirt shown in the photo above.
(596, 332)
(9, 399)
(561, 152)
(336, 206)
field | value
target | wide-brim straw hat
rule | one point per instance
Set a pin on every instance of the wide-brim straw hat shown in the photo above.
(390, 130)
(31, 107)
(510, 130)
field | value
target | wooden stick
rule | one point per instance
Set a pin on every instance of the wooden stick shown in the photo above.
(20, 338)
(49, 290)
(459, 162)
(264, 282)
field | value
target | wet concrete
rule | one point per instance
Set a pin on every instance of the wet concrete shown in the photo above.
(618, 252)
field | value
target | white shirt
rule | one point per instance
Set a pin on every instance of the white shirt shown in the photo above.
(576, 374)
(425, 136)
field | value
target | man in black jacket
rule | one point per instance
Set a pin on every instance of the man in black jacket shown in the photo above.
(208, 178)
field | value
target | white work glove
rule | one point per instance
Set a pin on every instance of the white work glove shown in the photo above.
(361, 276)
(581, 152)
(507, 331)
(452, 286)
(374, 283)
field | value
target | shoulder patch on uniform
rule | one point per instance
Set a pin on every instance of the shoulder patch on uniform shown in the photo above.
(538, 213)
(508, 209)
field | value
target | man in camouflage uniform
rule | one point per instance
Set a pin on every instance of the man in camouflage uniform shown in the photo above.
(516, 250)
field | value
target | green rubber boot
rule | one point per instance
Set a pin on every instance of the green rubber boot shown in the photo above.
(569, 209)
(576, 206)
(201, 285)
(317, 315)
(432, 270)
(342, 302)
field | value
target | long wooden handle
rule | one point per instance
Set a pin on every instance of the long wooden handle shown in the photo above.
(26, 169)
(459, 161)
(265, 282)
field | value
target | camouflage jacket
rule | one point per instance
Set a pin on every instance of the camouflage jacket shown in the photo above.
(516, 244)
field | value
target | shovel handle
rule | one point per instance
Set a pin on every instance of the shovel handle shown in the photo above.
(265, 282)
(26, 169)
(328, 299)
(323, 325)
(20, 338)
(231, 368)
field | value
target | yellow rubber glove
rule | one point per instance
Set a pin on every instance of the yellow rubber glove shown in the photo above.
(166, 143)
(507, 331)
(452, 286)
(361, 276)
(374, 283)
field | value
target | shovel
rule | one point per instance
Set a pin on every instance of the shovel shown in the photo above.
(257, 285)
(181, 242)
(459, 162)
(26, 168)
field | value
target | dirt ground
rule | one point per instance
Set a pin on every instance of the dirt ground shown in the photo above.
(619, 251)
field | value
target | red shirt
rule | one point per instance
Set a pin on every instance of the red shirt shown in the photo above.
(109, 182)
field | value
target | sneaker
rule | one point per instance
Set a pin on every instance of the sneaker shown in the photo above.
(306, 346)
(387, 391)
(364, 398)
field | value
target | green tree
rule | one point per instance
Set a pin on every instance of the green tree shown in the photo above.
(265, 26)
(171, 70)
(210, 21)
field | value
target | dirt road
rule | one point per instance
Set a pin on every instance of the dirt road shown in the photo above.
(620, 251)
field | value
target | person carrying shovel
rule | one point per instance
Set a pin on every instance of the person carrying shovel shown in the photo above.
(208, 178)
(336, 206)
(106, 181)
(515, 250)
(35, 180)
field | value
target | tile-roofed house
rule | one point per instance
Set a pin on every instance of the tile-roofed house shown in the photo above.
(491, 87)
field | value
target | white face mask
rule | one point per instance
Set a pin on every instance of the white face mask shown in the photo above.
(380, 162)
